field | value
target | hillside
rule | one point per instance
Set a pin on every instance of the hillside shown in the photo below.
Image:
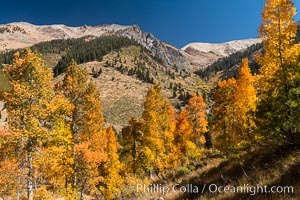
(222, 49)
(23, 34)
(4, 86)
(125, 77)
(122, 74)
(82, 44)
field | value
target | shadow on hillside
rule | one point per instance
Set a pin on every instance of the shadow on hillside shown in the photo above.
(235, 172)
(290, 178)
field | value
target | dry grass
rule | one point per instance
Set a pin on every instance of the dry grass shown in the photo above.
(271, 166)
(122, 96)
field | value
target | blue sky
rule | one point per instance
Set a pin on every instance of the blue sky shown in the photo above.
(175, 21)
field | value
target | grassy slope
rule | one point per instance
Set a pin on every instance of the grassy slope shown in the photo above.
(271, 165)
(123, 95)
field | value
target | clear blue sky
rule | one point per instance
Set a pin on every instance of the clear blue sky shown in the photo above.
(175, 21)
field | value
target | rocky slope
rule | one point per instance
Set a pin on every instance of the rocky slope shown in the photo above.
(23, 34)
(204, 54)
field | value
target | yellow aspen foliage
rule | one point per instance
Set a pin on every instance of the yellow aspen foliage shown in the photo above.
(93, 118)
(278, 32)
(233, 112)
(43, 194)
(86, 122)
(158, 124)
(277, 114)
(75, 82)
(224, 115)
(26, 103)
(168, 124)
(131, 141)
(56, 161)
(153, 146)
(110, 170)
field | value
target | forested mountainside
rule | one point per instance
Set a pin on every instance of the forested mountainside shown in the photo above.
(81, 50)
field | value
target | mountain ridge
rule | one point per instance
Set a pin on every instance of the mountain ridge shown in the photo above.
(193, 56)
(23, 34)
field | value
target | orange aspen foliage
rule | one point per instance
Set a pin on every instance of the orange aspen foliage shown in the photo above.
(197, 116)
(9, 171)
(185, 148)
(245, 102)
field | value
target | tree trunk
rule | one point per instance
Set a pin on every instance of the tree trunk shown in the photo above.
(82, 190)
(29, 177)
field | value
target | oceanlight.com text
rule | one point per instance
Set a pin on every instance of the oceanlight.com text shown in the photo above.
(248, 189)
(213, 188)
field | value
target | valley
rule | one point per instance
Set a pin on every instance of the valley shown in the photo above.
(112, 112)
